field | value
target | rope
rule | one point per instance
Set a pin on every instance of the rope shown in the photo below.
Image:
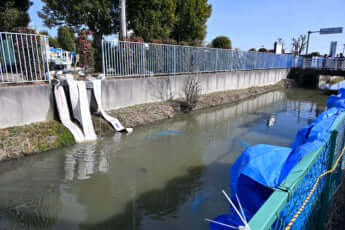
(288, 227)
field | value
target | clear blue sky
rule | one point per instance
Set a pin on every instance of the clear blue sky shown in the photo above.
(253, 23)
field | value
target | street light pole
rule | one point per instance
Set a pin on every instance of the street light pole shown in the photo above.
(309, 33)
(334, 30)
(123, 19)
(306, 50)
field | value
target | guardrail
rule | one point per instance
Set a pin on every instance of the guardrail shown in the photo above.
(123, 58)
(324, 63)
(23, 57)
(284, 203)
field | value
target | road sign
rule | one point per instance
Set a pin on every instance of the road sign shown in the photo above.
(333, 49)
(335, 30)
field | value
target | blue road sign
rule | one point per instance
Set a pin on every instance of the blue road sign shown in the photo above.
(335, 30)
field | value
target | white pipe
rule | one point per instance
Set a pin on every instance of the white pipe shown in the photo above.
(97, 92)
(63, 112)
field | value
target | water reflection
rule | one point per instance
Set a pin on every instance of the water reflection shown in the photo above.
(271, 120)
(85, 160)
(169, 181)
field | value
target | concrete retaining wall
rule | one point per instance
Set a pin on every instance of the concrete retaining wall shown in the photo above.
(25, 104)
(127, 92)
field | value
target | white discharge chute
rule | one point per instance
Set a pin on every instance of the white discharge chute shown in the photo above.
(81, 108)
(63, 112)
(113, 121)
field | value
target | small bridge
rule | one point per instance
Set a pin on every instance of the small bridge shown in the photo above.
(325, 66)
(307, 71)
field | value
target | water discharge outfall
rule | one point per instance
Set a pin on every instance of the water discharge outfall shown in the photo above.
(81, 109)
(115, 123)
(64, 115)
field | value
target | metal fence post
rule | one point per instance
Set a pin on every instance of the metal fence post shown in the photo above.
(231, 59)
(103, 62)
(46, 54)
(216, 64)
(143, 59)
(174, 60)
(244, 61)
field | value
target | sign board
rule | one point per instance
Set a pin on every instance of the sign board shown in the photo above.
(335, 30)
(333, 49)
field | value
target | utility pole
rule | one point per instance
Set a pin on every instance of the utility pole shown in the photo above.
(306, 50)
(332, 30)
(123, 28)
(309, 33)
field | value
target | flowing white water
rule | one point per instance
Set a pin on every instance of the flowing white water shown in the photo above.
(64, 115)
(81, 107)
(112, 120)
(85, 114)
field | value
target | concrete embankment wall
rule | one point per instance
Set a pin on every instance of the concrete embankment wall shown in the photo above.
(25, 104)
(127, 92)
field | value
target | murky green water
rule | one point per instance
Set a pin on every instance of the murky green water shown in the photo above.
(165, 176)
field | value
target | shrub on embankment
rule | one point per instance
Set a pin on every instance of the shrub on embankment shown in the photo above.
(38, 137)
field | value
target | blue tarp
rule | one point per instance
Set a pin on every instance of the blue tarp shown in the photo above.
(317, 129)
(337, 101)
(261, 163)
(262, 168)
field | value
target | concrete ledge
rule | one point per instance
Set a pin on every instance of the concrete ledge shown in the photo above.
(25, 104)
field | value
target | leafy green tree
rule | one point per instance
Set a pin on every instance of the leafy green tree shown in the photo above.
(221, 42)
(191, 18)
(252, 50)
(66, 38)
(52, 41)
(13, 13)
(99, 16)
(316, 54)
(180, 20)
(152, 19)
(262, 49)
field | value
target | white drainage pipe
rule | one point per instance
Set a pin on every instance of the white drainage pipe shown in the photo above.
(97, 90)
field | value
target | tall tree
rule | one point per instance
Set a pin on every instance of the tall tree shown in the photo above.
(299, 44)
(152, 19)
(13, 13)
(53, 42)
(66, 38)
(221, 42)
(99, 16)
(192, 16)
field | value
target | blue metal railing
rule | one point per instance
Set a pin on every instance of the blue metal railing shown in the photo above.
(323, 63)
(23, 57)
(122, 58)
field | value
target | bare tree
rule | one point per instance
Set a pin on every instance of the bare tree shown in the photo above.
(299, 44)
(192, 91)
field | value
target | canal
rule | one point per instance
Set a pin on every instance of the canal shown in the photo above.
(168, 175)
